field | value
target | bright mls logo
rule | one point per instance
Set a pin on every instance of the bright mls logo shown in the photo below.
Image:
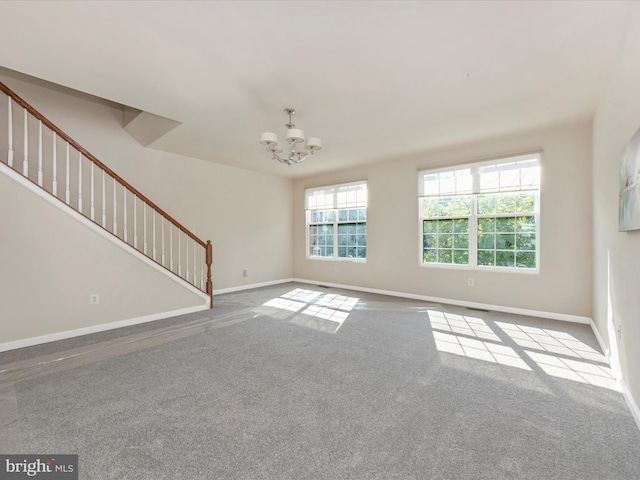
(50, 467)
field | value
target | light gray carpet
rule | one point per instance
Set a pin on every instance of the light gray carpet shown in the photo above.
(266, 387)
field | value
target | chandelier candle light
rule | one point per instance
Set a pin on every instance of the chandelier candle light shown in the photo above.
(299, 151)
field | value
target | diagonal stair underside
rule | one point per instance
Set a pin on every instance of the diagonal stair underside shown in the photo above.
(50, 163)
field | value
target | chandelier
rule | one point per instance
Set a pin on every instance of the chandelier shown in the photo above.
(299, 151)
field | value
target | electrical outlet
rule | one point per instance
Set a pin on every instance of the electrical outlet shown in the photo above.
(471, 282)
(94, 299)
(245, 272)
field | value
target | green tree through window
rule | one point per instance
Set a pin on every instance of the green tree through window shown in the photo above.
(337, 221)
(482, 215)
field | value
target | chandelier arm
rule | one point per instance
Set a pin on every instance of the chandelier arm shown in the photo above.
(277, 157)
(291, 160)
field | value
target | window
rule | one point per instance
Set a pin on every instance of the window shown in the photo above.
(337, 221)
(482, 215)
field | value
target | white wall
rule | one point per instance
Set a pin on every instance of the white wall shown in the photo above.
(616, 255)
(51, 264)
(246, 215)
(563, 285)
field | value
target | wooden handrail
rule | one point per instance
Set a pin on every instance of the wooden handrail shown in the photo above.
(91, 157)
(206, 245)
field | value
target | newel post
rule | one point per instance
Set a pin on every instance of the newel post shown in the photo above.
(209, 262)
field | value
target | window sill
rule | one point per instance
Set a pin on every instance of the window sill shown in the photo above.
(336, 259)
(525, 271)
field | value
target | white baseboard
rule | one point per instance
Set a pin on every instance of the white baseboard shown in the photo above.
(53, 337)
(633, 406)
(601, 342)
(250, 287)
(497, 308)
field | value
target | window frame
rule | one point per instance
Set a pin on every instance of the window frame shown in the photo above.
(474, 216)
(336, 220)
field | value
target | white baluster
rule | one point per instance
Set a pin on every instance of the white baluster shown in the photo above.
(186, 261)
(135, 222)
(25, 162)
(179, 259)
(93, 196)
(67, 192)
(124, 203)
(55, 165)
(40, 153)
(203, 252)
(171, 246)
(144, 232)
(153, 217)
(80, 182)
(201, 270)
(115, 209)
(162, 228)
(104, 199)
(194, 262)
(10, 132)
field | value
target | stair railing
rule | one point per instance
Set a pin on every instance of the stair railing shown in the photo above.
(58, 164)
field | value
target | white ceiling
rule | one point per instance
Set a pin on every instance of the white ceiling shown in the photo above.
(374, 80)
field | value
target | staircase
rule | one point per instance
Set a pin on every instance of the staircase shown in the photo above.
(49, 158)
